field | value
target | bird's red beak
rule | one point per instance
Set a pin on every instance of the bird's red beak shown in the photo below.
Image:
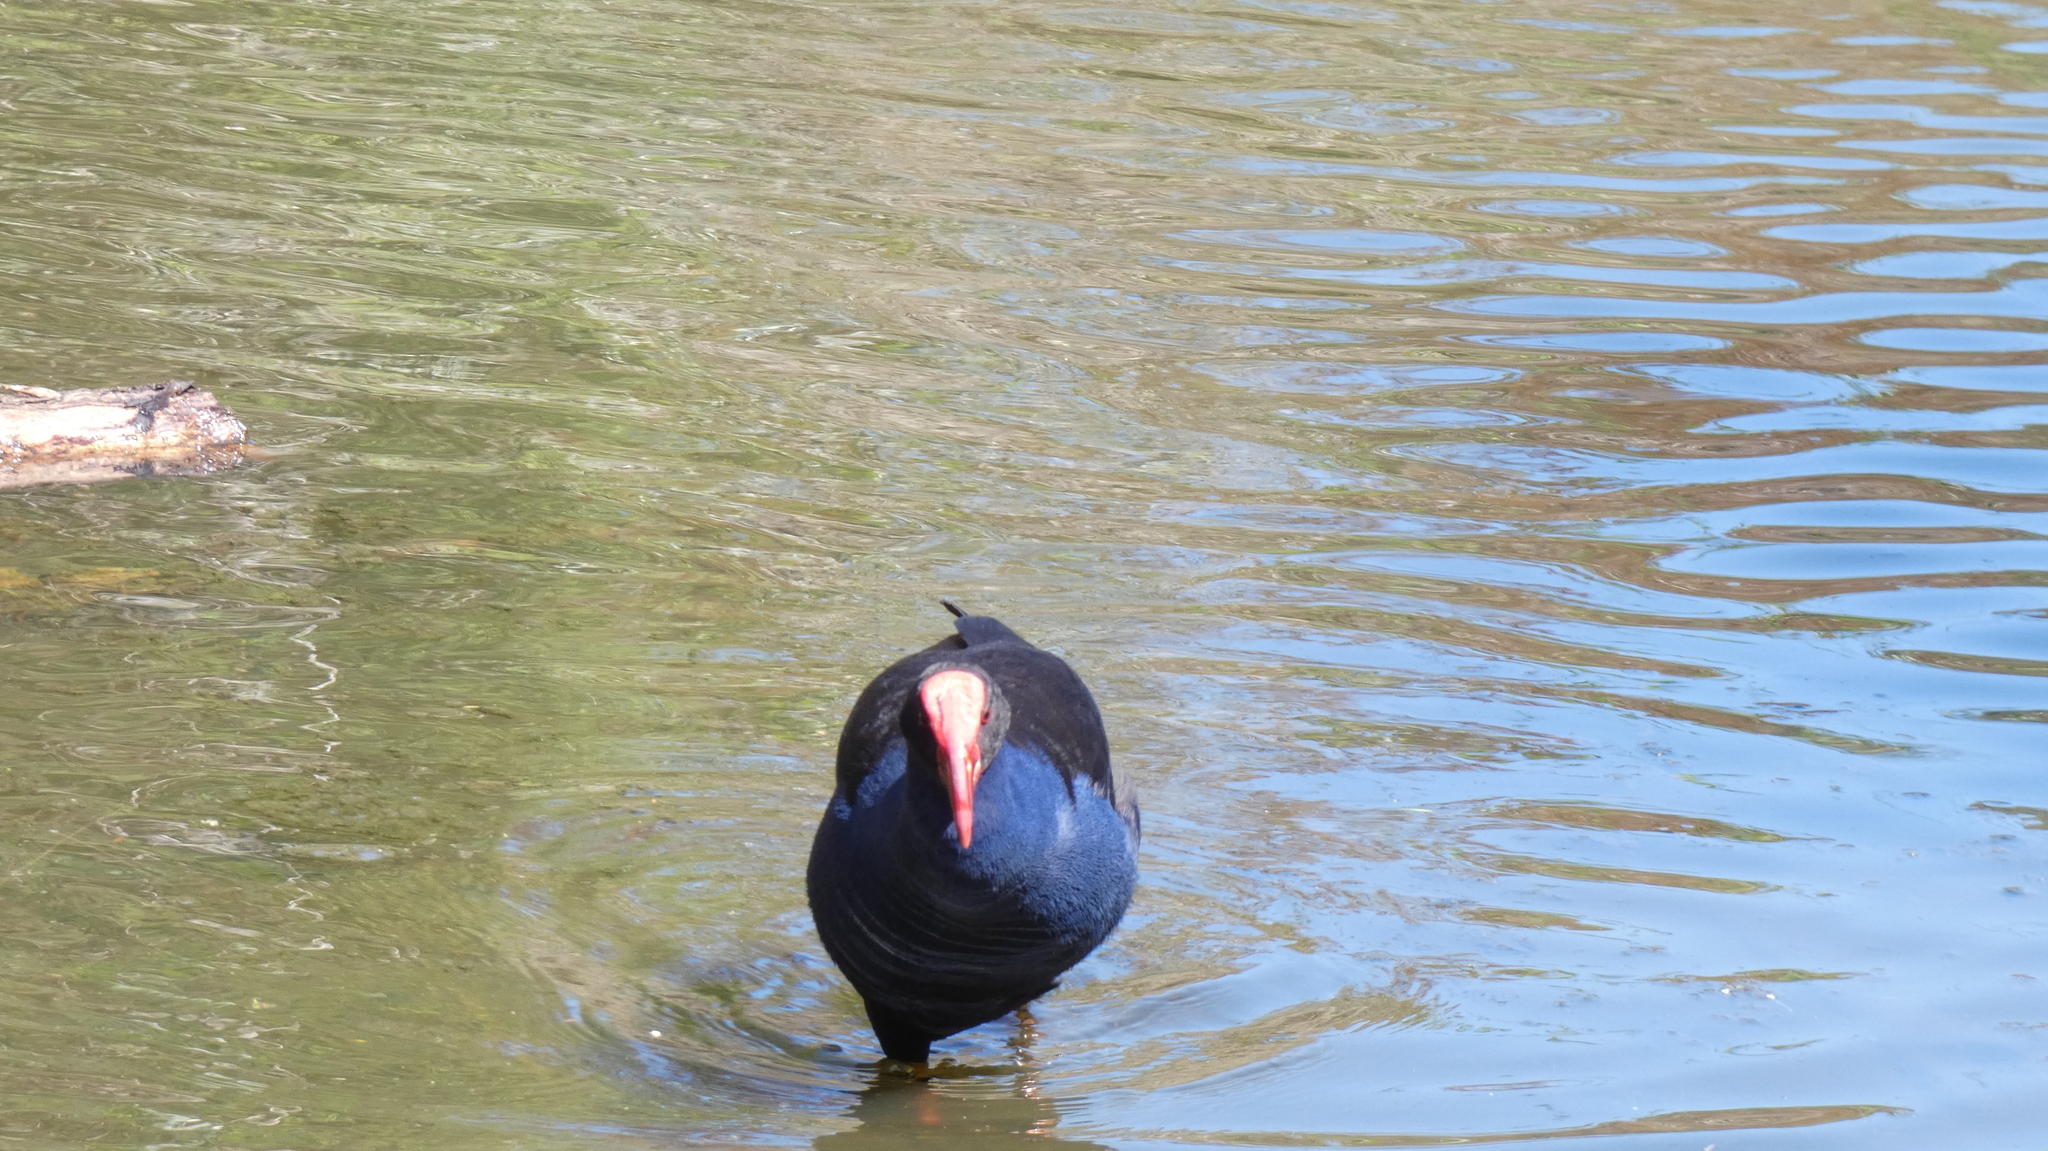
(956, 702)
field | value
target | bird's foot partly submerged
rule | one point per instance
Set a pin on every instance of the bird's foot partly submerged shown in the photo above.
(944, 1069)
(896, 1068)
(1026, 1034)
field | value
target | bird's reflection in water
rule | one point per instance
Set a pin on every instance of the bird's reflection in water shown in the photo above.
(968, 1114)
(956, 1106)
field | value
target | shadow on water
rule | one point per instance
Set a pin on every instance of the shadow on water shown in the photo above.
(1674, 1123)
(974, 1112)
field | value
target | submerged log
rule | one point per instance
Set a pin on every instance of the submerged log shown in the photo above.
(91, 434)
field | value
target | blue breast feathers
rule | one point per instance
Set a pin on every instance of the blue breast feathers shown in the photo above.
(1051, 871)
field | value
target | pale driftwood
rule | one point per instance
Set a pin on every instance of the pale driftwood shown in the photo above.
(90, 434)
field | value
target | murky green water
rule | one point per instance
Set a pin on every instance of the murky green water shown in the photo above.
(1550, 495)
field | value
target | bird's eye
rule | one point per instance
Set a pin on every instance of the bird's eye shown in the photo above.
(984, 715)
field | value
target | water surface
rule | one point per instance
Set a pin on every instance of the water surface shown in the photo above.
(1550, 496)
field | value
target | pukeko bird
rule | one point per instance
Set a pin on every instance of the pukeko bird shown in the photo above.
(976, 846)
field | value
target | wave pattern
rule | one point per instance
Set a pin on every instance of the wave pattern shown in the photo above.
(1552, 496)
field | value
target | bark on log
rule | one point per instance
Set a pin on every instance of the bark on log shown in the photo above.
(91, 434)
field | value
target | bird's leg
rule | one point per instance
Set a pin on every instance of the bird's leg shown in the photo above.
(1027, 1034)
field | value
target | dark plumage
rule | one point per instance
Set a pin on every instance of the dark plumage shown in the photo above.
(980, 733)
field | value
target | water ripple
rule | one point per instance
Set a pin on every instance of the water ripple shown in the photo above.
(1549, 499)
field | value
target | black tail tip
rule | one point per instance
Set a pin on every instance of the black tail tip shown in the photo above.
(954, 608)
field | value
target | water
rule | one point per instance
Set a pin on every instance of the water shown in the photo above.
(1550, 496)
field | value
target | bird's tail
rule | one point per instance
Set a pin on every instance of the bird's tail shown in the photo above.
(980, 629)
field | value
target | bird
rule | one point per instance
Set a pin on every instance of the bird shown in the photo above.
(977, 844)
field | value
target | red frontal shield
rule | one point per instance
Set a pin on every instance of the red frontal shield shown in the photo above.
(954, 703)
